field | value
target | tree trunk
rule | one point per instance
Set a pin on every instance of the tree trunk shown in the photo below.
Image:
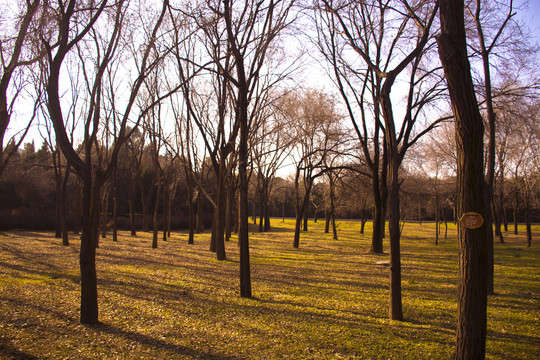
(333, 207)
(58, 210)
(155, 218)
(131, 203)
(378, 217)
(90, 224)
(199, 225)
(472, 283)
(363, 221)
(528, 217)
(78, 205)
(306, 212)
(63, 226)
(165, 215)
(191, 215)
(396, 306)
(115, 218)
(243, 232)
(266, 207)
(497, 219)
(516, 204)
(115, 211)
(436, 219)
(327, 221)
(105, 214)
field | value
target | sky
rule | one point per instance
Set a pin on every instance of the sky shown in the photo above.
(528, 11)
(531, 16)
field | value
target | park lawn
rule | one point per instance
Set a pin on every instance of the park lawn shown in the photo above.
(326, 300)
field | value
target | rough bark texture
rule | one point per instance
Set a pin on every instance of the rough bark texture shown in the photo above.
(472, 283)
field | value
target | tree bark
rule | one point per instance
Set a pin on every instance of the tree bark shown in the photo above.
(472, 282)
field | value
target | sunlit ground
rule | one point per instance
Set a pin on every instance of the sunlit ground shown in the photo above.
(328, 299)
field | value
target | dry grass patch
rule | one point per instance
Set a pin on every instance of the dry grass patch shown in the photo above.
(326, 300)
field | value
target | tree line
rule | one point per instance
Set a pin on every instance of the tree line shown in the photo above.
(185, 114)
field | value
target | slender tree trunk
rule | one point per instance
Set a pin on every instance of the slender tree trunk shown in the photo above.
(200, 224)
(333, 207)
(516, 204)
(156, 218)
(165, 215)
(229, 211)
(105, 214)
(266, 207)
(306, 212)
(115, 210)
(497, 219)
(472, 283)
(115, 218)
(191, 215)
(363, 221)
(419, 213)
(261, 215)
(63, 225)
(78, 205)
(528, 217)
(297, 226)
(131, 203)
(436, 219)
(378, 218)
(327, 220)
(58, 210)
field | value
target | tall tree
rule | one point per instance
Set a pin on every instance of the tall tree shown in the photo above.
(17, 51)
(78, 24)
(472, 283)
(253, 28)
(394, 54)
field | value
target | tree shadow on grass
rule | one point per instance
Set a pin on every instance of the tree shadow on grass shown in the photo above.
(9, 352)
(157, 343)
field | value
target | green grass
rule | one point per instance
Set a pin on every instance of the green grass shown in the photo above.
(326, 300)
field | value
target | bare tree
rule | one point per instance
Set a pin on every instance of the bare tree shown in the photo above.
(382, 66)
(77, 24)
(252, 29)
(17, 52)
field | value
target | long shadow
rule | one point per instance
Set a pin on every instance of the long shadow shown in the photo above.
(10, 352)
(159, 344)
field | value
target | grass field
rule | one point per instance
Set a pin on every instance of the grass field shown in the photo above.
(326, 300)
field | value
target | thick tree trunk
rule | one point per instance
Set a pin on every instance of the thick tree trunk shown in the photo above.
(516, 204)
(396, 306)
(243, 237)
(90, 221)
(472, 283)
